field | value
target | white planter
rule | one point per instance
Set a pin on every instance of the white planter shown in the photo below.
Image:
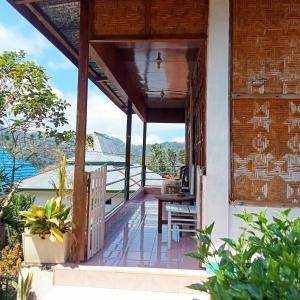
(42, 251)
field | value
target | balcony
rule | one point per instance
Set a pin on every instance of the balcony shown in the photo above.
(132, 239)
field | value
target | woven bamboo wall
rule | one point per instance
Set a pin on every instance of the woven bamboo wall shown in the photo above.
(266, 47)
(266, 147)
(265, 106)
(196, 110)
(133, 17)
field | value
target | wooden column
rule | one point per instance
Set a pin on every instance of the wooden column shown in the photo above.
(144, 154)
(128, 150)
(80, 182)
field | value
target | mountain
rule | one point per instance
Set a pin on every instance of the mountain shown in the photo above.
(117, 146)
(38, 150)
(45, 148)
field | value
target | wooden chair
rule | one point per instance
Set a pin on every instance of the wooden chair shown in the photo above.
(186, 217)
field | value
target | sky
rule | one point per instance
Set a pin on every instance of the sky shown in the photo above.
(17, 33)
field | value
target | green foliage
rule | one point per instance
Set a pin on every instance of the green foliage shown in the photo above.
(26, 99)
(27, 103)
(62, 190)
(264, 263)
(165, 161)
(15, 227)
(10, 260)
(90, 141)
(38, 149)
(52, 220)
(23, 288)
(157, 159)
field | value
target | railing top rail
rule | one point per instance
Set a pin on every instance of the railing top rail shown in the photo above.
(116, 181)
(115, 170)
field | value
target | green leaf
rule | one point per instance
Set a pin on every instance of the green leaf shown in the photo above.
(57, 234)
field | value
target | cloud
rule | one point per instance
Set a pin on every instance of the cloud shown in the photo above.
(13, 39)
(179, 139)
(65, 64)
(102, 115)
(152, 139)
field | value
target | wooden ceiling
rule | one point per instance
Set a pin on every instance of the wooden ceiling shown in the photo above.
(125, 39)
(155, 45)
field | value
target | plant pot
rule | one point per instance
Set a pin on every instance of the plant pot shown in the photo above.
(42, 251)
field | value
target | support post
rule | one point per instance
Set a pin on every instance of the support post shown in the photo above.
(128, 149)
(80, 183)
(216, 192)
(144, 154)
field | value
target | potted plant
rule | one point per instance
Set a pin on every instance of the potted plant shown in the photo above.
(263, 263)
(45, 239)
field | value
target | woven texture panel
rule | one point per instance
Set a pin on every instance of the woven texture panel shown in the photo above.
(149, 17)
(266, 131)
(266, 147)
(266, 47)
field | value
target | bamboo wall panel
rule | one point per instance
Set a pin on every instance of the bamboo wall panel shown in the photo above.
(196, 111)
(119, 17)
(266, 148)
(266, 130)
(169, 16)
(266, 47)
(134, 17)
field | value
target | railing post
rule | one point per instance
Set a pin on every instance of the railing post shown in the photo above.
(144, 154)
(80, 186)
(128, 149)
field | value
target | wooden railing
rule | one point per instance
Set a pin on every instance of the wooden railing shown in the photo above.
(96, 211)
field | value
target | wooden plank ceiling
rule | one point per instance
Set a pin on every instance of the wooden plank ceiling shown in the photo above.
(139, 49)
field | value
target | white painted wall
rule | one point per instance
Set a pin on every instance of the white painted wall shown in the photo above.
(235, 223)
(41, 196)
(215, 202)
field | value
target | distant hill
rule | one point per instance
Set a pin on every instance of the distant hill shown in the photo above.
(45, 149)
(136, 150)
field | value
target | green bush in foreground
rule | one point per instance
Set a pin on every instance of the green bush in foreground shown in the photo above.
(264, 263)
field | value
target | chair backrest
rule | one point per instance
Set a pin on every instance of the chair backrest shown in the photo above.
(199, 194)
(184, 176)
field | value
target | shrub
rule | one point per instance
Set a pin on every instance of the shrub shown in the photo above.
(10, 260)
(263, 263)
(52, 220)
(12, 219)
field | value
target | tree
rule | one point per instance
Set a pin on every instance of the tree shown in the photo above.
(165, 161)
(157, 157)
(172, 157)
(28, 108)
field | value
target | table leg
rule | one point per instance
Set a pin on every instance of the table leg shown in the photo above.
(159, 216)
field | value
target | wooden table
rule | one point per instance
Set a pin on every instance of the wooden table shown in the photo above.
(169, 198)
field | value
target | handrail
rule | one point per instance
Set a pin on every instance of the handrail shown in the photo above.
(114, 195)
(136, 174)
(115, 170)
(135, 183)
(116, 181)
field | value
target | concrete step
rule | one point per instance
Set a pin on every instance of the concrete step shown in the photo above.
(79, 293)
(127, 278)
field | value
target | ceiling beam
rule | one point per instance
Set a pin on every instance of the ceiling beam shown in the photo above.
(107, 58)
(26, 1)
(188, 37)
(166, 115)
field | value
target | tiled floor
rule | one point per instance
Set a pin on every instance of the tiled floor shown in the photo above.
(132, 240)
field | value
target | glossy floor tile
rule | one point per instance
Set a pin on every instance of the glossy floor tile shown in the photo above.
(132, 240)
